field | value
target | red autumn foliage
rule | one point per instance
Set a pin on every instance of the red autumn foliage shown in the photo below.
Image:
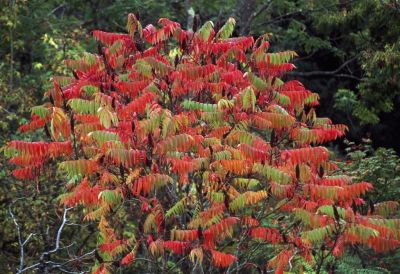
(190, 143)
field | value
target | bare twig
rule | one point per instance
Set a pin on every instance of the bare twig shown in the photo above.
(46, 253)
(242, 238)
(327, 73)
(21, 242)
(288, 15)
(34, 266)
(56, 8)
(264, 7)
(290, 261)
(57, 244)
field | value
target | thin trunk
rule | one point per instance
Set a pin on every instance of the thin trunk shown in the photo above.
(11, 34)
(190, 14)
(243, 12)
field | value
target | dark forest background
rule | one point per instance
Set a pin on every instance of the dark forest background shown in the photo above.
(349, 52)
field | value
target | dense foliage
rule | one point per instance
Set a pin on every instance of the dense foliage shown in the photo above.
(347, 45)
(381, 166)
(191, 154)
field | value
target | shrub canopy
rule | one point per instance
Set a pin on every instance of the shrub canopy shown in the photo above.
(192, 154)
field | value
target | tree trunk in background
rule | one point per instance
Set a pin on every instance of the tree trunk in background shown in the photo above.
(190, 14)
(243, 13)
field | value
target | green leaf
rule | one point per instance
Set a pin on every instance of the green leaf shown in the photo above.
(193, 105)
(205, 31)
(249, 99)
(227, 29)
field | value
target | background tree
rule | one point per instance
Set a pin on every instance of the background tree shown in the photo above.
(382, 167)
